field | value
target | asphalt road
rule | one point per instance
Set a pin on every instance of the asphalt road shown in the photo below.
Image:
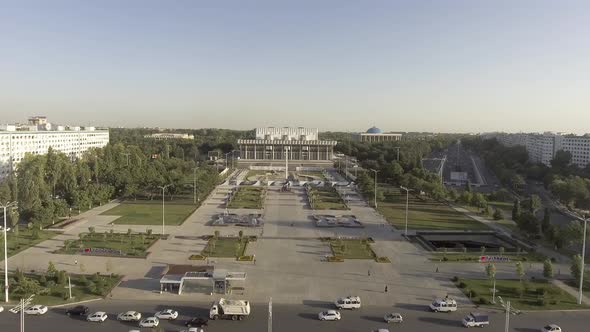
(292, 318)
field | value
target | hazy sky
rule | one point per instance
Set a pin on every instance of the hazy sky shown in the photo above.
(414, 65)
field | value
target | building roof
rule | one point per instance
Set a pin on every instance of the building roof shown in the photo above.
(374, 130)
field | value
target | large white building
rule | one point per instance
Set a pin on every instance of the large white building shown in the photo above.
(36, 138)
(542, 147)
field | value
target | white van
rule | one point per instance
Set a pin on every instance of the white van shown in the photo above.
(349, 302)
(443, 305)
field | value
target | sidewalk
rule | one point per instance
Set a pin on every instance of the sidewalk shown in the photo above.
(570, 290)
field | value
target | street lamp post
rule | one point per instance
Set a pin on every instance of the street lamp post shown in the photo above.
(375, 171)
(7, 205)
(226, 164)
(407, 206)
(195, 185)
(580, 293)
(163, 196)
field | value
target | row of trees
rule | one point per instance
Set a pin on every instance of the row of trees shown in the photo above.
(49, 186)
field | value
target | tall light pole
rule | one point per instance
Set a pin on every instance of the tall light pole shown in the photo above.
(375, 171)
(407, 206)
(397, 147)
(195, 185)
(580, 294)
(163, 189)
(7, 205)
(226, 164)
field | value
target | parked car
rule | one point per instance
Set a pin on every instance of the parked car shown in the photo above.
(194, 329)
(36, 310)
(99, 316)
(129, 316)
(149, 322)
(380, 330)
(551, 328)
(443, 305)
(168, 314)
(349, 302)
(80, 310)
(197, 321)
(393, 318)
(1, 308)
(329, 315)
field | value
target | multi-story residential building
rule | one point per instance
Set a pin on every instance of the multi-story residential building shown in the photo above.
(166, 136)
(35, 138)
(542, 147)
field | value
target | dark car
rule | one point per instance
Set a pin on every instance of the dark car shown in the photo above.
(196, 322)
(80, 310)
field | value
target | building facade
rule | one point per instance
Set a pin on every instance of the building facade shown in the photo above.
(276, 144)
(375, 135)
(166, 136)
(541, 148)
(73, 141)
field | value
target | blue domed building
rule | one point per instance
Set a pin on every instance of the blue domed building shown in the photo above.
(374, 135)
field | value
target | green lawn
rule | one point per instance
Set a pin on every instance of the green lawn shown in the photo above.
(134, 244)
(351, 249)
(225, 247)
(424, 214)
(26, 238)
(531, 297)
(150, 212)
(248, 198)
(326, 198)
(51, 292)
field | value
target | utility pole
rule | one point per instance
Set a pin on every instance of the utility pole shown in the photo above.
(375, 171)
(397, 147)
(70, 285)
(163, 196)
(407, 207)
(580, 293)
(195, 185)
(286, 163)
(507, 325)
(7, 205)
(270, 315)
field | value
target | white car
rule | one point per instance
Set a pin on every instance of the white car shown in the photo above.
(1, 308)
(2, 229)
(329, 315)
(99, 316)
(393, 318)
(551, 328)
(129, 316)
(149, 322)
(168, 314)
(443, 305)
(194, 329)
(36, 310)
(349, 302)
(380, 330)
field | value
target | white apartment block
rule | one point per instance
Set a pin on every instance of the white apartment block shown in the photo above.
(542, 147)
(73, 141)
(165, 136)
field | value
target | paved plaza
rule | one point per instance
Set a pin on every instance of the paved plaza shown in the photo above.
(290, 261)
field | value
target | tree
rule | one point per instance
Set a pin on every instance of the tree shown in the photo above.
(576, 268)
(468, 186)
(534, 203)
(546, 223)
(562, 159)
(548, 269)
(520, 270)
(51, 270)
(517, 182)
(498, 215)
(501, 250)
(216, 234)
(27, 286)
(478, 200)
(516, 210)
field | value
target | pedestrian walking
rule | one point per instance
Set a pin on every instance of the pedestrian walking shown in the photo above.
(76, 262)
(369, 273)
(437, 269)
(385, 288)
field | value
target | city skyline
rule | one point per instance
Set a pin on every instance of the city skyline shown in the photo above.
(452, 66)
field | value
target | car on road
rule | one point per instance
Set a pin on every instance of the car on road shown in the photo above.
(197, 321)
(167, 314)
(1, 308)
(380, 330)
(149, 322)
(194, 329)
(476, 319)
(129, 316)
(329, 315)
(393, 317)
(36, 310)
(551, 328)
(443, 305)
(99, 316)
(80, 310)
(349, 302)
